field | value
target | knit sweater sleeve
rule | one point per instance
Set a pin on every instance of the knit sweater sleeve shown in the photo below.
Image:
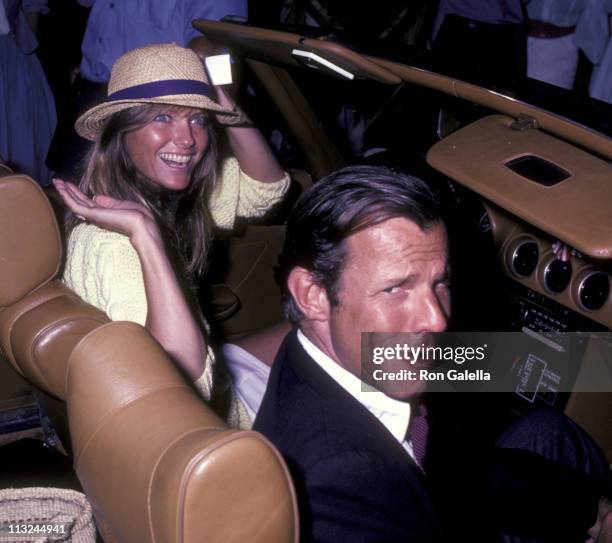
(238, 195)
(103, 268)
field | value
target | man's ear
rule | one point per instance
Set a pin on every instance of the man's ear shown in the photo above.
(310, 297)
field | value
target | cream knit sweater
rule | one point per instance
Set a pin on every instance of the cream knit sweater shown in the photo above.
(103, 268)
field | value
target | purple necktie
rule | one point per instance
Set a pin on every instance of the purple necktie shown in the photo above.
(417, 432)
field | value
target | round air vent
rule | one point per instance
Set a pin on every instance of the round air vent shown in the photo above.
(593, 290)
(557, 275)
(523, 257)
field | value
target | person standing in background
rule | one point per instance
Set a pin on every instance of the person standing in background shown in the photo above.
(485, 36)
(552, 52)
(601, 79)
(114, 28)
(558, 30)
(27, 109)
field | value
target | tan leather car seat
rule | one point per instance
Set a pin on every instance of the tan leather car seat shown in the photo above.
(156, 463)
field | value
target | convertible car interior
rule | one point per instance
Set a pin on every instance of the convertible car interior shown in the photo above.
(526, 177)
(155, 462)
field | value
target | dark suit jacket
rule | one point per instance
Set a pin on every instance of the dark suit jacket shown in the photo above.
(355, 482)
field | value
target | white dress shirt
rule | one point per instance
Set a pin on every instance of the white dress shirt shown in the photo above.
(249, 376)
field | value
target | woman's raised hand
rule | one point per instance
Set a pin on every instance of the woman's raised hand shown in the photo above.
(125, 217)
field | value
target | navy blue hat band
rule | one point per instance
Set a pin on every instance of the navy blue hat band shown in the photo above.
(162, 88)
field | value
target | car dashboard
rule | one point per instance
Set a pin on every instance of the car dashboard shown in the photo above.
(539, 191)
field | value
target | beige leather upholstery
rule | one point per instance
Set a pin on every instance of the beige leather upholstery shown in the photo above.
(30, 243)
(249, 260)
(153, 459)
(135, 420)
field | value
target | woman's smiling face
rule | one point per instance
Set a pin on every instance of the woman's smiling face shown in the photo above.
(167, 148)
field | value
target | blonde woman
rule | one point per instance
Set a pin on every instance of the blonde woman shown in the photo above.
(143, 213)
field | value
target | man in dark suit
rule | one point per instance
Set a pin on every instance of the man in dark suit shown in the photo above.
(355, 481)
(366, 250)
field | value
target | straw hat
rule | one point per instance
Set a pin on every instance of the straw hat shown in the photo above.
(155, 74)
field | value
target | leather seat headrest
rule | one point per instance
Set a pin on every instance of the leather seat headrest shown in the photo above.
(30, 242)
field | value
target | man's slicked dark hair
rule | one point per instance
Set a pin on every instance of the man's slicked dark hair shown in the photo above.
(338, 206)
